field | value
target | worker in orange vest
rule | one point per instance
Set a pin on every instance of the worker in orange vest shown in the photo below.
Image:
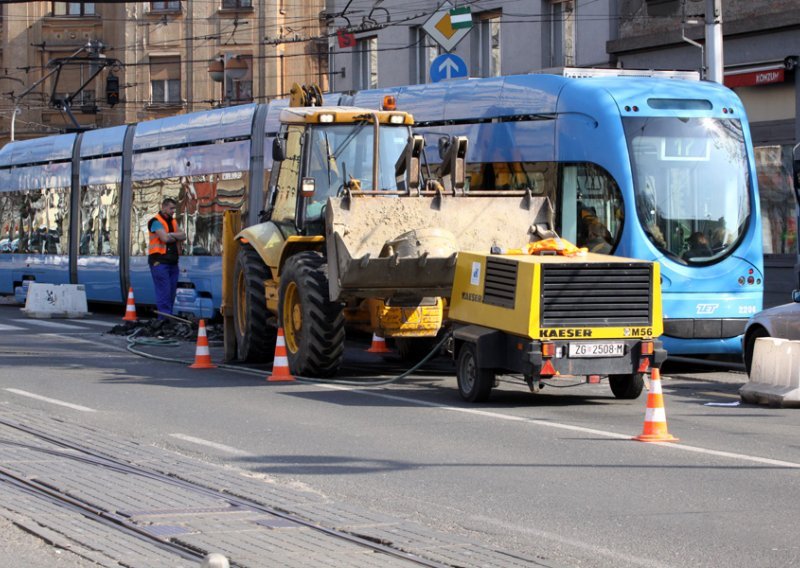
(163, 254)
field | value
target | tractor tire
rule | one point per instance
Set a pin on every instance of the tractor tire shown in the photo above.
(474, 384)
(626, 387)
(252, 322)
(313, 326)
(412, 350)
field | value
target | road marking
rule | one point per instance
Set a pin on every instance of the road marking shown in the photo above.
(51, 400)
(215, 445)
(5, 327)
(75, 339)
(570, 427)
(619, 557)
(48, 323)
(97, 322)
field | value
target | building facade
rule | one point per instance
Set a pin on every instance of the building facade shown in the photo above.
(168, 57)
(390, 47)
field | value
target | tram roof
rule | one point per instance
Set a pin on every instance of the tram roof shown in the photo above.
(103, 141)
(47, 149)
(217, 124)
(530, 94)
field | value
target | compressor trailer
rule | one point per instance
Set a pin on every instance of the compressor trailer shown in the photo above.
(545, 316)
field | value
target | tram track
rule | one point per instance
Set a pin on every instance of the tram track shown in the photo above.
(72, 451)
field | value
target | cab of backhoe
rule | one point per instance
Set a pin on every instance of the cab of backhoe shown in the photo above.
(323, 152)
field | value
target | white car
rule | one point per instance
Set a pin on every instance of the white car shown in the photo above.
(780, 321)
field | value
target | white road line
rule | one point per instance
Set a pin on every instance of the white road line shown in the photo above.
(215, 445)
(6, 327)
(539, 534)
(52, 400)
(570, 427)
(48, 324)
(98, 323)
(76, 339)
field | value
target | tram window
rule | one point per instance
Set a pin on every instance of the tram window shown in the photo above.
(202, 201)
(36, 222)
(539, 177)
(99, 220)
(591, 207)
(9, 222)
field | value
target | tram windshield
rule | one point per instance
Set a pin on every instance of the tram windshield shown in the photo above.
(691, 184)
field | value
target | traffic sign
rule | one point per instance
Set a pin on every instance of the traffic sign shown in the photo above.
(440, 28)
(448, 66)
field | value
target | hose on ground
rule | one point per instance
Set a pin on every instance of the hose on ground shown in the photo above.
(132, 341)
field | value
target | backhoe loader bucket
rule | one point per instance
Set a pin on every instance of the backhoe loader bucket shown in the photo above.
(386, 246)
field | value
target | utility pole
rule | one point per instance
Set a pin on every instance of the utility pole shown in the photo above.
(714, 62)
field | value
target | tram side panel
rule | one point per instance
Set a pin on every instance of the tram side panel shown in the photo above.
(34, 226)
(205, 181)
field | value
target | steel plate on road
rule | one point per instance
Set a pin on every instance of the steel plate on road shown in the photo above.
(596, 349)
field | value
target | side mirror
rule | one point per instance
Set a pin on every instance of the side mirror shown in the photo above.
(796, 296)
(307, 186)
(278, 150)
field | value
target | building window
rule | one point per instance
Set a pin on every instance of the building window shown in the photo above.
(73, 9)
(237, 4)
(662, 8)
(426, 51)
(170, 6)
(238, 78)
(485, 44)
(778, 221)
(70, 79)
(366, 53)
(165, 80)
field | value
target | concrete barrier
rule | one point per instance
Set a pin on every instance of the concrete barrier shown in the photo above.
(775, 373)
(56, 301)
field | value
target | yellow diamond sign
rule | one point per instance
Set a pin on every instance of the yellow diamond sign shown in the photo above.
(445, 27)
(441, 29)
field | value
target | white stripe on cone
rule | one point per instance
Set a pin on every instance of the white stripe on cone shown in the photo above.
(655, 415)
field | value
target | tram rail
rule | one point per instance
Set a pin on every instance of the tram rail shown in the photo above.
(74, 451)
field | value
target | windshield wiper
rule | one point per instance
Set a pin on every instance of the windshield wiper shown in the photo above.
(350, 137)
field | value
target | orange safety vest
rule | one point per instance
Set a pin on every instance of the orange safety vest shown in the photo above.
(157, 246)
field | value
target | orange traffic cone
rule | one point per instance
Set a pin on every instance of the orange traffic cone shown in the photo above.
(378, 345)
(202, 357)
(655, 417)
(280, 365)
(130, 307)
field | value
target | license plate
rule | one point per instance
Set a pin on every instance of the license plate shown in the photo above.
(596, 349)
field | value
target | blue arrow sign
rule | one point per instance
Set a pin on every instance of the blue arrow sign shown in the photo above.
(448, 66)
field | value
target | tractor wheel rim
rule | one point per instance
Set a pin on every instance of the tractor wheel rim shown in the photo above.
(292, 317)
(241, 308)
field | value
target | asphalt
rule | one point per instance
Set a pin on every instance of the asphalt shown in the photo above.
(257, 535)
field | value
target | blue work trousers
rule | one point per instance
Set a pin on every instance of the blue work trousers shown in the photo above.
(165, 280)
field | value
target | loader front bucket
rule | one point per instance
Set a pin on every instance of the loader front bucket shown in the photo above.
(387, 246)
